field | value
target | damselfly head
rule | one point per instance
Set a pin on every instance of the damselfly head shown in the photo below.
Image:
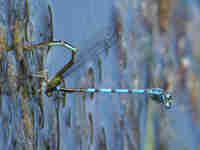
(166, 100)
(159, 96)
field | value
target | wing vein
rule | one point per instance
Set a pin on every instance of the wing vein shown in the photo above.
(106, 39)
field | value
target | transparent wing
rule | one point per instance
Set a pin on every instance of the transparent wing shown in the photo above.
(100, 43)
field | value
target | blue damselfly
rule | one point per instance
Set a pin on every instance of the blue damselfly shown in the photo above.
(158, 95)
(106, 41)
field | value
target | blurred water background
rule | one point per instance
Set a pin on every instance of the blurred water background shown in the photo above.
(121, 44)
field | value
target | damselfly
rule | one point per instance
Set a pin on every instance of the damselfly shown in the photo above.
(108, 39)
(156, 94)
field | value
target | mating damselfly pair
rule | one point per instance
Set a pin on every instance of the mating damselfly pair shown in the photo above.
(158, 95)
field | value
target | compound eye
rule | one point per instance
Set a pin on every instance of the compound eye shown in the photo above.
(167, 100)
(168, 104)
(168, 96)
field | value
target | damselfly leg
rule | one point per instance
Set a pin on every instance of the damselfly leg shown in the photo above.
(57, 79)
